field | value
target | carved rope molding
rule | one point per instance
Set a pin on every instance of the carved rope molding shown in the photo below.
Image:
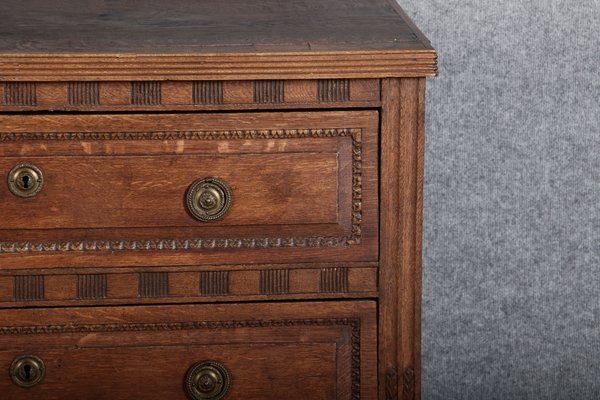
(353, 323)
(354, 237)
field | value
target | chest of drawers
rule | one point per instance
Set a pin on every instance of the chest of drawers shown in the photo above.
(211, 200)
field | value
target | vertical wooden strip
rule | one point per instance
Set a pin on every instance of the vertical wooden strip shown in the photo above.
(418, 272)
(92, 286)
(20, 94)
(398, 244)
(28, 288)
(214, 283)
(389, 233)
(153, 284)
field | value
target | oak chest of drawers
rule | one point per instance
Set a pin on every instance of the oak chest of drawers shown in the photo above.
(210, 200)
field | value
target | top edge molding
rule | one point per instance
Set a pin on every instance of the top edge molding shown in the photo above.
(233, 66)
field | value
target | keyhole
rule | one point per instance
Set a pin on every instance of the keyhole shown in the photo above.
(27, 370)
(25, 181)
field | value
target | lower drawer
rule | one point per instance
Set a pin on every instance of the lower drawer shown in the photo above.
(235, 351)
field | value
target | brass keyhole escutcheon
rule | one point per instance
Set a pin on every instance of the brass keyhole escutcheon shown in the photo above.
(27, 371)
(25, 180)
(207, 380)
(208, 199)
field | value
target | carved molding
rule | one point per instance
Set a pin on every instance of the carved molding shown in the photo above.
(207, 92)
(92, 286)
(334, 280)
(352, 323)
(214, 283)
(195, 284)
(275, 281)
(187, 95)
(391, 384)
(146, 93)
(28, 288)
(269, 91)
(333, 90)
(408, 384)
(84, 93)
(153, 284)
(20, 94)
(353, 238)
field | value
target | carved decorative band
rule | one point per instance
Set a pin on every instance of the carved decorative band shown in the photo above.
(193, 285)
(186, 95)
(354, 237)
(352, 323)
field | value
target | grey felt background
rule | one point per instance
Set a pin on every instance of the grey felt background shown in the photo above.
(511, 281)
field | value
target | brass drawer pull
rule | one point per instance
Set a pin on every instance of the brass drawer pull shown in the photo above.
(25, 180)
(208, 199)
(207, 380)
(27, 371)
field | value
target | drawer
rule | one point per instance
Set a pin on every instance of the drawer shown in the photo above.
(245, 351)
(221, 188)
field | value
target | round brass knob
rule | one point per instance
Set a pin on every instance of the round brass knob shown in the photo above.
(208, 199)
(25, 180)
(27, 371)
(207, 380)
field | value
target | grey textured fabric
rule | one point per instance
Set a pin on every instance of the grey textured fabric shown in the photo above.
(511, 284)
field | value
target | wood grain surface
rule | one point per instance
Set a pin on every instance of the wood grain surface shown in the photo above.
(272, 351)
(62, 40)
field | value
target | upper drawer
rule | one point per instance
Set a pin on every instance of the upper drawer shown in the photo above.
(291, 186)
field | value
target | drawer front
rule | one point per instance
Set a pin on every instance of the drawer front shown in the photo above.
(126, 187)
(270, 351)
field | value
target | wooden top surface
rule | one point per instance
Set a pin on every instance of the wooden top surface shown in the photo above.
(105, 30)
